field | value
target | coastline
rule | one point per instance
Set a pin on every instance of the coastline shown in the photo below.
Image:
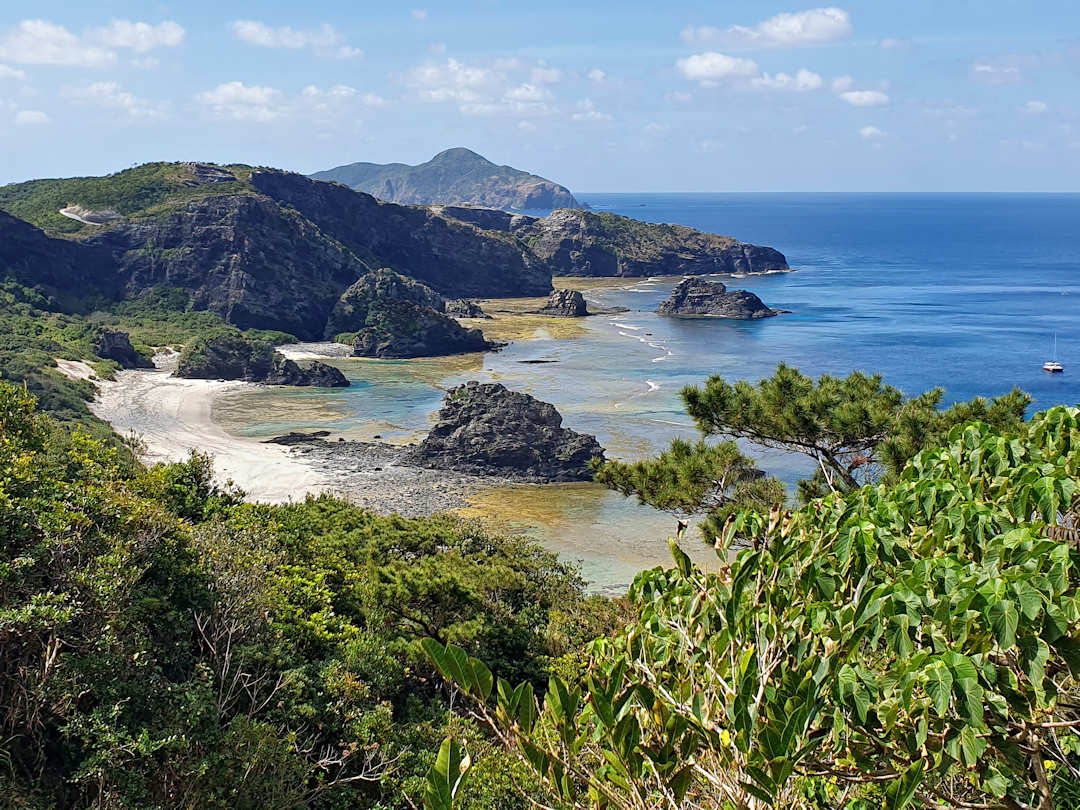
(173, 416)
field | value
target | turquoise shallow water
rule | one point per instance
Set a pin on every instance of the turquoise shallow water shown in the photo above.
(962, 291)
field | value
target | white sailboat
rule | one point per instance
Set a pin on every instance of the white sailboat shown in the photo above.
(1053, 366)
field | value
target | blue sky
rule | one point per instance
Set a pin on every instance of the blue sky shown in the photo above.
(919, 95)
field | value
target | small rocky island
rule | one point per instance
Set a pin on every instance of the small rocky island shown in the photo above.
(565, 304)
(486, 429)
(698, 298)
(234, 357)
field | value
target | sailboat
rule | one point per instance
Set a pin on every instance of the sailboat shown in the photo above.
(1053, 366)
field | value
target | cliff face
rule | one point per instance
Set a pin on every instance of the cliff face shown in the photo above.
(456, 176)
(455, 258)
(241, 256)
(69, 273)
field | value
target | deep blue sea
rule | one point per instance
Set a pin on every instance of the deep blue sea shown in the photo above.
(962, 291)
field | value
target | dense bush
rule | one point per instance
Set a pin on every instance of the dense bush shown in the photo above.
(165, 645)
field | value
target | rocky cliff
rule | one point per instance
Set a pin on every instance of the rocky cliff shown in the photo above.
(696, 297)
(485, 429)
(456, 176)
(584, 243)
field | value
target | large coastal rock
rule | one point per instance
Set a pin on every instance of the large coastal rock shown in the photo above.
(565, 304)
(392, 316)
(456, 176)
(696, 297)
(485, 429)
(116, 345)
(234, 357)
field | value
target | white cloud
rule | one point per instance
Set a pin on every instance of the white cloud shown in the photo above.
(527, 93)
(865, 98)
(710, 67)
(341, 93)
(678, 97)
(323, 41)
(870, 133)
(109, 95)
(38, 42)
(996, 73)
(30, 117)
(420, 14)
(542, 74)
(239, 102)
(145, 63)
(801, 82)
(1036, 108)
(11, 73)
(655, 130)
(139, 36)
(950, 111)
(586, 111)
(597, 75)
(450, 81)
(812, 27)
(437, 48)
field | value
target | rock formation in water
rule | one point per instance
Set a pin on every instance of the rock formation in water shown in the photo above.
(565, 304)
(456, 176)
(116, 345)
(696, 297)
(391, 316)
(485, 429)
(464, 308)
(234, 357)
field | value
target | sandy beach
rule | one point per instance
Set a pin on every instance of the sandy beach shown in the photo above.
(173, 416)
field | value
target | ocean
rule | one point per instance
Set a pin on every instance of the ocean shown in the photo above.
(962, 291)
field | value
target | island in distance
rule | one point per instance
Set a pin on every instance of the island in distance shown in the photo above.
(456, 176)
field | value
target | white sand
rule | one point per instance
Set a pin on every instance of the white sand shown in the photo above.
(172, 416)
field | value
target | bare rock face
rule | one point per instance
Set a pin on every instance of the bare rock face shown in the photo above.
(116, 345)
(565, 304)
(485, 429)
(697, 298)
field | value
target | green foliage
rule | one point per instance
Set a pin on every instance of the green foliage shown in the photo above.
(906, 644)
(164, 645)
(855, 428)
(714, 480)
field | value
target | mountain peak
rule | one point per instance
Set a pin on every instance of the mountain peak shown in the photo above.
(459, 154)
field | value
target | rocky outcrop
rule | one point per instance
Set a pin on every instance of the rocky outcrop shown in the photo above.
(392, 316)
(485, 429)
(565, 304)
(698, 298)
(456, 176)
(464, 308)
(234, 357)
(584, 243)
(116, 345)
